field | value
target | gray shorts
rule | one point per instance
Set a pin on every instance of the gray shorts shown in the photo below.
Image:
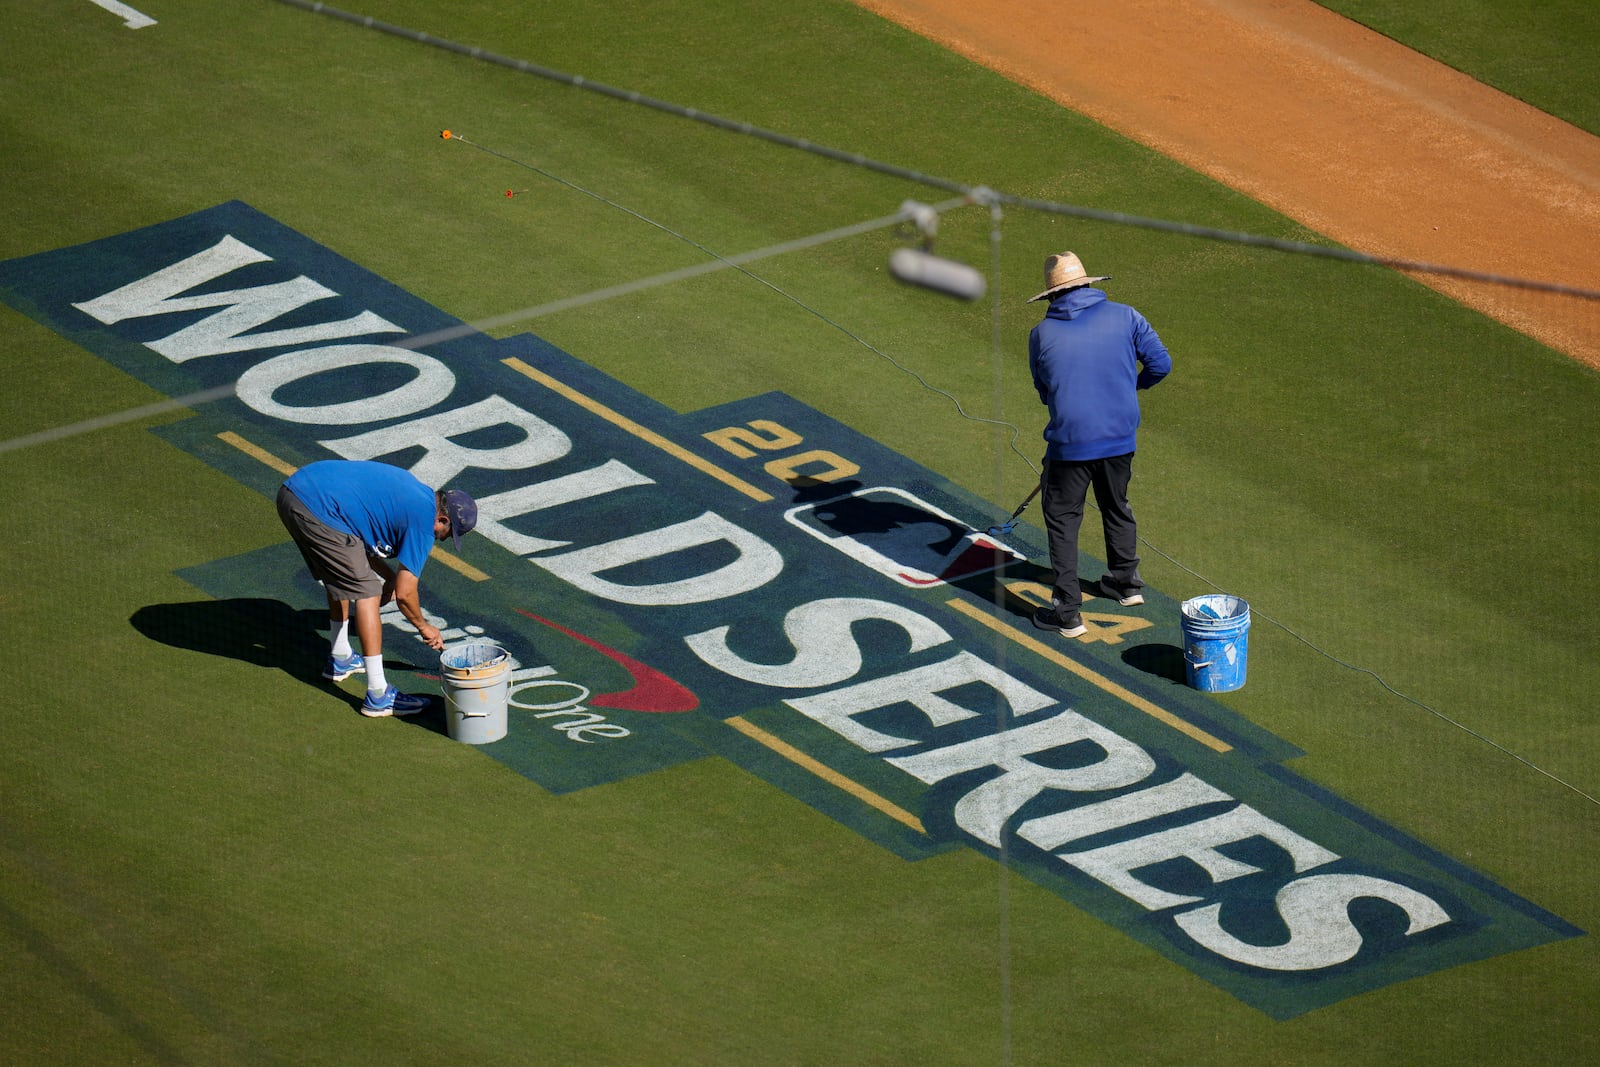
(336, 559)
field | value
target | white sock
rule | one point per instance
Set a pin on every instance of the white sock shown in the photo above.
(341, 640)
(375, 680)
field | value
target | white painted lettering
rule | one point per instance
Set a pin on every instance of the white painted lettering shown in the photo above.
(826, 653)
(575, 722)
(244, 309)
(919, 687)
(444, 458)
(432, 384)
(1316, 910)
(493, 511)
(1197, 841)
(983, 811)
(1186, 791)
(756, 564)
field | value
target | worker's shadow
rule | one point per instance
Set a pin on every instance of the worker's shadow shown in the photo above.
(266, 633)
(1158, 659)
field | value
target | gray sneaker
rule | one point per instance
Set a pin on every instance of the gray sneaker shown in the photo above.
(1129, 600)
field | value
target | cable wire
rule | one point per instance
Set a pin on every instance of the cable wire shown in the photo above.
(979, 195)
(968, 194)
(974, 196)
(948, 184)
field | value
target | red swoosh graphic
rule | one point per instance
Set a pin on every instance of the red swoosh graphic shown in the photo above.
(652, 691)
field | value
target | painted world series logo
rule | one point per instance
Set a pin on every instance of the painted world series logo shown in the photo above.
(761, 583)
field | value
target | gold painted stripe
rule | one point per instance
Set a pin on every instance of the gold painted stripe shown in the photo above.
(457, 564)
(826, 773)
(255, 451)
(644, 433)
(1155, 711)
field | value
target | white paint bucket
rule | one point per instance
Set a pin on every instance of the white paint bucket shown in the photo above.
(475, 680)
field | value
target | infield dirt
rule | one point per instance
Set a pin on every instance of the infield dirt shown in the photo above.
(1340, 128)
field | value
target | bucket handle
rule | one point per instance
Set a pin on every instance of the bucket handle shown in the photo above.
(464, 713)
(1188, 655)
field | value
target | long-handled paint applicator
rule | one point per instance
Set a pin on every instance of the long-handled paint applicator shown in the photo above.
(1011, 523)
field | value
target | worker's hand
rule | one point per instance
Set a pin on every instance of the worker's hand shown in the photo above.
(387, 595)
(430, 634)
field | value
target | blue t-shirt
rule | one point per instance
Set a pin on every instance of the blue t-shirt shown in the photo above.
(385, 506)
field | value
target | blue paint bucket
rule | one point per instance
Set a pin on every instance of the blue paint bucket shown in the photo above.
(1216, 638)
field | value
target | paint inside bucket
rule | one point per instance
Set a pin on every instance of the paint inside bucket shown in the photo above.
(1216, 637)
(476, 677)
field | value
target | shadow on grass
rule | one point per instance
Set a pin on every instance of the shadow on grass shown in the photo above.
(264, 633)
(1017, 604)
(104, 997)
(1161, 660)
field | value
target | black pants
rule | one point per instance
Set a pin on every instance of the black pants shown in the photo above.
(1066, 485)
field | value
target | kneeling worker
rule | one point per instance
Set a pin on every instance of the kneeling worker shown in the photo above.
(348, 517)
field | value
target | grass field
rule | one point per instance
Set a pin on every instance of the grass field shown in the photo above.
(1525, 50)
(205, 860)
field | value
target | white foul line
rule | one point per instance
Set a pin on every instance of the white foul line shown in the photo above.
(132, 19)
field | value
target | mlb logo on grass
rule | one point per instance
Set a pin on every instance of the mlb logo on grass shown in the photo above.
(759, 582)
(901, 537)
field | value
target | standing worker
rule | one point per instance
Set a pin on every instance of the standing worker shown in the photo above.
(1089, 357)
(348, 517)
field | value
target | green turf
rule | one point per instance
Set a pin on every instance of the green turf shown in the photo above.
(206, 861)
(1536, 52)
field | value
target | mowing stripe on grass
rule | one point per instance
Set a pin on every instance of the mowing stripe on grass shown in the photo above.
(826, 773)
(977, 193)
(616, 418)
(896, 721)
(1093, 677)
(285, 468)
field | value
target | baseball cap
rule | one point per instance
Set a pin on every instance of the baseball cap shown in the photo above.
(462, 511)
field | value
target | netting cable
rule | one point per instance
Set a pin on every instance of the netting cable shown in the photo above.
(978, 195)
(858, 159)
(967, 194)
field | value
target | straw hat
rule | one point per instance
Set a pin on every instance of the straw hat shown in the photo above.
(1065, 271)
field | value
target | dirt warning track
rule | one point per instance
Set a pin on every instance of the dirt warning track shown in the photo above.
(1342, 129)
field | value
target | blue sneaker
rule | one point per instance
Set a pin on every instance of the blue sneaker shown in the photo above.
(392, 702)
(338, 669)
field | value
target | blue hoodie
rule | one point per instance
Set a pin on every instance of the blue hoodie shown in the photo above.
(1089, 357)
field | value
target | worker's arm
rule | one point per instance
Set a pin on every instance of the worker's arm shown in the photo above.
(402, 585)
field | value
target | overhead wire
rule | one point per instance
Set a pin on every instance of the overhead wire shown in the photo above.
(977, 195)
(967, 194)
(476, 326)
(857, 159)
(973, 196)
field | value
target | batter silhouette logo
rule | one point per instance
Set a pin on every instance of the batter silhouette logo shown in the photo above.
(901, 537)
(758, 582)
